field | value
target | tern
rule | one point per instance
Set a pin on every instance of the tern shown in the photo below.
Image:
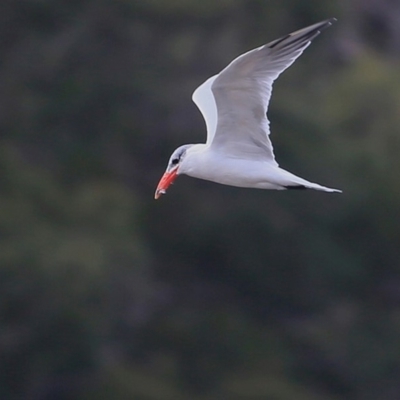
(234, 103)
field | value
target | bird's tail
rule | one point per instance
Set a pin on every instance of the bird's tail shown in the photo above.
(291, 181)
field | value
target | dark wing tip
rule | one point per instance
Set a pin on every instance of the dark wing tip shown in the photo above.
(328, 22)
(331, 20)
(319, 26)
(296, 187)
(302, 35)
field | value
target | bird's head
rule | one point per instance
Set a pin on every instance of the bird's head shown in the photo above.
(172, 171)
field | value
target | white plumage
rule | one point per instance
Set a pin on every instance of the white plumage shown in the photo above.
(234, 103)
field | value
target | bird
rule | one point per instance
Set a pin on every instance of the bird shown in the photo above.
(234, 103)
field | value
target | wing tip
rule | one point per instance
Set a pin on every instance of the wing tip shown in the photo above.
(305, 34)
(318, 27)
(328, 22)
(331, 20)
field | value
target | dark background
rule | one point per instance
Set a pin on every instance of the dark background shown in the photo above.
(212, 292)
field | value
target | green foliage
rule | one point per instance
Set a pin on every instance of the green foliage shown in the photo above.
(62, 250)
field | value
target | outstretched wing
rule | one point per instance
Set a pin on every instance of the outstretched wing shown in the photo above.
(205, 101)
(234, 103)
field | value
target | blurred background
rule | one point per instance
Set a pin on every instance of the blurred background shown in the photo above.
(212, 292)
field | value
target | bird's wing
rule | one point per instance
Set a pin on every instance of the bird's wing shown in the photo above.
(242, 91)
(205, 101)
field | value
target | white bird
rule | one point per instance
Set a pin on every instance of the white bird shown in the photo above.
(234, 103)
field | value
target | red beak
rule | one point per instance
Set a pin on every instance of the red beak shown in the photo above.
(165, 181)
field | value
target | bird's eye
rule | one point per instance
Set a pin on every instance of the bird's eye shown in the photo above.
(175, 161)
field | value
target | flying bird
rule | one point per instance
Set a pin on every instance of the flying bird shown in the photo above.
(234, 103)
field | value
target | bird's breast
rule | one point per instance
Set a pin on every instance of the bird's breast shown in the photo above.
(226, 170)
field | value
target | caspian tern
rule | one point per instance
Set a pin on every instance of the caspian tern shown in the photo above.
(234, 103)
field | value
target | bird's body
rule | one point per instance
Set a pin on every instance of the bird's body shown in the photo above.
(204, 163)
(234, 103)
